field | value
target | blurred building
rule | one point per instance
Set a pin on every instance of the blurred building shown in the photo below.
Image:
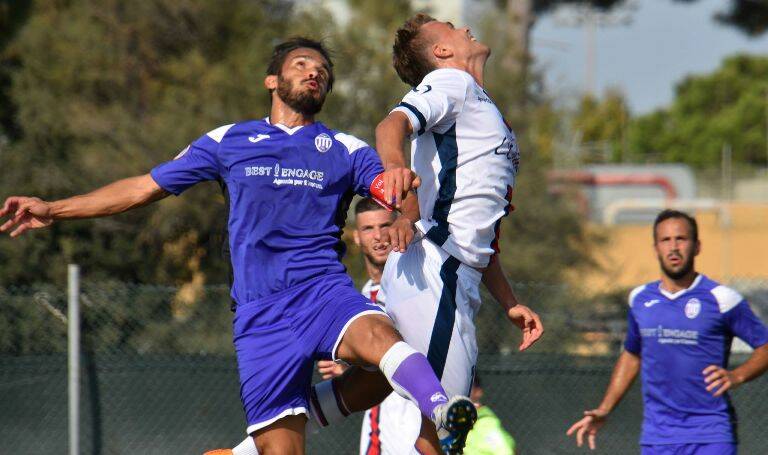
(621, 202)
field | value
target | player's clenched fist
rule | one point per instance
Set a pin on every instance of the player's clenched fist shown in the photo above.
(398, 180)
(25, 213)
(399, 234)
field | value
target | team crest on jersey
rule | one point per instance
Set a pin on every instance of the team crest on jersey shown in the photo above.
(692, 308)
(323, 142)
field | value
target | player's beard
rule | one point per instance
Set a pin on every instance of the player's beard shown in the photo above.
(302, 101)
(684, 269)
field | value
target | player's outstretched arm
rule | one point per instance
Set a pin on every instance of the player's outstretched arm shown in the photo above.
(522, 316)
(33, 213)
(624, 373)
(719, 380)
(392, 135)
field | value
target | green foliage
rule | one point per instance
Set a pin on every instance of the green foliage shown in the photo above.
(728, 106)
(108, 89)
(602, 124)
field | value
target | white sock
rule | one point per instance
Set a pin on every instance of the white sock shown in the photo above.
(247, 447)
(391, 361)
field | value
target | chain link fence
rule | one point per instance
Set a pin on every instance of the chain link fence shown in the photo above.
(159, 374)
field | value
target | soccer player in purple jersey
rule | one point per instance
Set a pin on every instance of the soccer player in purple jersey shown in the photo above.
(288, 181)
(679, 335)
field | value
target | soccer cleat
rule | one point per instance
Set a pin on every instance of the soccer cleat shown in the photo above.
(454, 419)
(219, 452)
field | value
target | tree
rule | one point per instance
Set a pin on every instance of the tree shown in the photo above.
(749, 16)
(13, 15)
(726, 106)
(602, 125)
(107, 89)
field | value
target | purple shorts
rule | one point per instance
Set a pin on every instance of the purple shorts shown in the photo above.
(278, 339)
(709, 448)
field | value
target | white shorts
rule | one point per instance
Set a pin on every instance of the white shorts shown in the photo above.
(432, 299)
(391, 428)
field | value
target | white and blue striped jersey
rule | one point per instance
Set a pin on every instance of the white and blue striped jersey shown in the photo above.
(467, 158)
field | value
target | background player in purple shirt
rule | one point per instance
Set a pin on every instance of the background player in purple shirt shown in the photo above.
(679, 335)
(288, 182)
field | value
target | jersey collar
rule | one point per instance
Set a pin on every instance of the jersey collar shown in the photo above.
(674, 295)
(288, 130)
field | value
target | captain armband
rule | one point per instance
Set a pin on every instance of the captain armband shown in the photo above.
(377, 193)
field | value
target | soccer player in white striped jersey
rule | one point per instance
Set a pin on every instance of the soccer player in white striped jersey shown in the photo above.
(466, 157)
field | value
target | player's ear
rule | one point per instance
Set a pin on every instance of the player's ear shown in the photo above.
(270, 82)
(697, 248)
(441, 51)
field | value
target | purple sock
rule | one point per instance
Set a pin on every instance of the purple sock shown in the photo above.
(412, 377)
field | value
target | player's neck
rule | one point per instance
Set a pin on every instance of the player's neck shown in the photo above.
(374, 271)
(285, 115)
(675, 285)
(475, 66)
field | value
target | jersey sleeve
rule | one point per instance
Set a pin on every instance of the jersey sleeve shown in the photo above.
(365, 163)
(633, 342)
(435, 104)
(196, 163)
(743, 323)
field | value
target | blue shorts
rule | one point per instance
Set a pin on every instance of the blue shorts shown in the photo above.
(279, 337)
(709, 448)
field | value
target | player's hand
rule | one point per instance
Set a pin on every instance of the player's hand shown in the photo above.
(719, 380)
(398, 181)
(528, 322)
(591, 423)
(399, 234)
(25, 213)
(329, 369)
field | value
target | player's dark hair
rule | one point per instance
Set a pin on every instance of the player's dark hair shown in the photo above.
(410, 55)
(281, 51)
(366, 205)
(668, 214)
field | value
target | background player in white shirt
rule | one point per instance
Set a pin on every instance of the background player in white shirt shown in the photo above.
(466, 157)
(392, 427)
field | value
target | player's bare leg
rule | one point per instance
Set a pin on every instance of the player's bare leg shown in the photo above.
(358, 399)
(428, 443)
(373, 340)
(284, 437)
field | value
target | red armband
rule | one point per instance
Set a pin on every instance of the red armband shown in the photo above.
(377, 192)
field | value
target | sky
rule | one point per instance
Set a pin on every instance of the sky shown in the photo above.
(664, 42)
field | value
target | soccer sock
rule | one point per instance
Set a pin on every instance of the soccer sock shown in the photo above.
(247, 447)
(412, 377)
(326, 404)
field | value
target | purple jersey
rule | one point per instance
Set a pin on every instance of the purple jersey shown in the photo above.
(677, 336)
(288, 191)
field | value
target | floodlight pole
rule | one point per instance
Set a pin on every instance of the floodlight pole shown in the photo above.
(73, 354)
